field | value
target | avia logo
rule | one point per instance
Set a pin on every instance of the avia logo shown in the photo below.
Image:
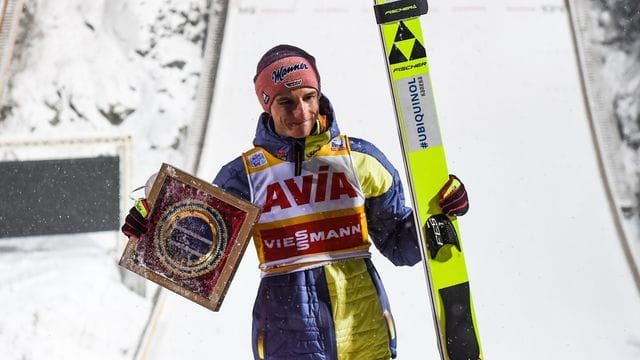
(396, 56)
(279, 74)
(314, 188)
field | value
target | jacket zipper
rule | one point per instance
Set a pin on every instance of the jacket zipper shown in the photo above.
(298, 157)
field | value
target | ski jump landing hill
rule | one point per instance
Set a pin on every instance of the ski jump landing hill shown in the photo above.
(548, 270)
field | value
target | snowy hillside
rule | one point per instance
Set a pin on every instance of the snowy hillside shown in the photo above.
(91, 70)
(608, 42)
(108, 68)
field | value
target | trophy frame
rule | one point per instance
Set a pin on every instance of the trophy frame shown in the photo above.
(196, 236)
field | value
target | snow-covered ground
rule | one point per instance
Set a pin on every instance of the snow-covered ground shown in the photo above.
(62, 298)
(100, 70)
(548, 272)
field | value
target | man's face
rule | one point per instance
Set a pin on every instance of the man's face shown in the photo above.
(294, 113)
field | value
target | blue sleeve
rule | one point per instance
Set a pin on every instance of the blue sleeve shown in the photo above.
(390, 223)
(232, 177)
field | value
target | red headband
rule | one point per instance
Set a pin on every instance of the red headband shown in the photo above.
(283, 75)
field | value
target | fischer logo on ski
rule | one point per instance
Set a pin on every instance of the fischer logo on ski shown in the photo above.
(403, 34)
(399, 10)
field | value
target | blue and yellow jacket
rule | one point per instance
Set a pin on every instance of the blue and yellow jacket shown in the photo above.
(339, 310)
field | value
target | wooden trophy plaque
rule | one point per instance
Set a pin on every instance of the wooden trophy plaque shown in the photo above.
(196, 237)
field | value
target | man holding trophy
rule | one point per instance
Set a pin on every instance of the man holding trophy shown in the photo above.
(324, 199)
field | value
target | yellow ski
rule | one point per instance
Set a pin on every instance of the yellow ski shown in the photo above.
(426, 167)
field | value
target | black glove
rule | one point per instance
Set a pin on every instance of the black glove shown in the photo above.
(135, 224)
(453, 197)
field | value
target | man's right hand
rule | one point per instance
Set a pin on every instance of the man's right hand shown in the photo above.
(135, 224)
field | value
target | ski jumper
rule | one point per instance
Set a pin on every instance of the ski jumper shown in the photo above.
(324, 200)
